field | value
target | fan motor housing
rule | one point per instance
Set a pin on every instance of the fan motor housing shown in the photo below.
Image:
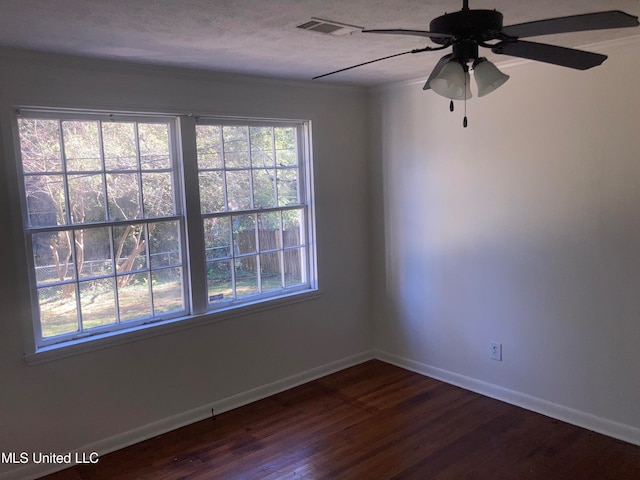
(477, 25)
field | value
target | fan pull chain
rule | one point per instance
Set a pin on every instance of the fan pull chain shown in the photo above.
(465, 122)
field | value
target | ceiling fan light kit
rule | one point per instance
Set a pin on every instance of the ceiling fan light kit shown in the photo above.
(488, 77)
(468, 29)
(452, 82)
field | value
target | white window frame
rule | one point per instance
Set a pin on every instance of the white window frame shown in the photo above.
(304, 192)
(198, 309)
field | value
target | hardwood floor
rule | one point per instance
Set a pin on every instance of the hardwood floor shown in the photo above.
(372, 421)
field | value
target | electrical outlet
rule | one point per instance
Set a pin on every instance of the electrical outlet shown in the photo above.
(496, 351)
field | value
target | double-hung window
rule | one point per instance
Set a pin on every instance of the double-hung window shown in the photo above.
(254, 215)
(107, 221)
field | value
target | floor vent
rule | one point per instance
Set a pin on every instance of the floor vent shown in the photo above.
(329, 27)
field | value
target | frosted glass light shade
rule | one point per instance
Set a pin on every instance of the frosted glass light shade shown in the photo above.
(488, 77)
(452, 81)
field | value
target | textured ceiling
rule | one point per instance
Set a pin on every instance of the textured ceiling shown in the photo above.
(260, 36)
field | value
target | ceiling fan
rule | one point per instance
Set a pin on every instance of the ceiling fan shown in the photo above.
(468, 29)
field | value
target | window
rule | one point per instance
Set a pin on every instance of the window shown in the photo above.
(250, 199)
(107, 221)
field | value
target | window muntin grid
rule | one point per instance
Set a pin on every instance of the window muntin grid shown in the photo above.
(252, 198)
(102, 223)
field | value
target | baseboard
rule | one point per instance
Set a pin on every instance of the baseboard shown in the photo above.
(117, 442)
(560, 412)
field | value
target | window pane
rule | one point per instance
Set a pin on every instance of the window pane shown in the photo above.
(95, 174)
(244, 234)
(123, 191)
(288, 186)
(219, 281)
(217, 237)
(293, 272)
(157, 189)
(236, 147)
(269, 231)
(211, 192)
(238, 190)
(46, 205)
(292, 231)
(134, 296)
(246, 276)
(58, 310)
(261, 146)
(42, 245)
(129, 243)
(154, 145)
(166, 285)
(236, 159)
(264, 188)
(209, 146)
(93, 252)
(86, 198)
(270, 271)
(81, 146)
(285, 139)
(164, 244)
(97, 303)
(53, 257)
(119, 143)
(40, 145)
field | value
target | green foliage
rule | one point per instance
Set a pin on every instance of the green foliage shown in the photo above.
(119, 143)
(40, 145)
(285, 145)
(154, 146)
(209, 145)
(245, 166)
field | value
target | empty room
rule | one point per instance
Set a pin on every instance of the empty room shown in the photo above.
(319, 240)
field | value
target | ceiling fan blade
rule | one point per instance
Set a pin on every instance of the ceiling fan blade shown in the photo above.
(417, 50)
(573, 23)
(542, 52)
(436, 70)
(417, 33)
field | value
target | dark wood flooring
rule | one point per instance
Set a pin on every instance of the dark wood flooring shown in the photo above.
(372, 421)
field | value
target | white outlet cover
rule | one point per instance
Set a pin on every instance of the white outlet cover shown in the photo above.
(496, 351)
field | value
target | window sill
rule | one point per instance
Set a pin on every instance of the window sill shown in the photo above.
(106, 340)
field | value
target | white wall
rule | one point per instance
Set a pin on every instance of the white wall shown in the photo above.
(88, 399)
(523, 229)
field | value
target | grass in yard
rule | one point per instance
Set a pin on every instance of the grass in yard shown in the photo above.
(58, 312)
(58, 308)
